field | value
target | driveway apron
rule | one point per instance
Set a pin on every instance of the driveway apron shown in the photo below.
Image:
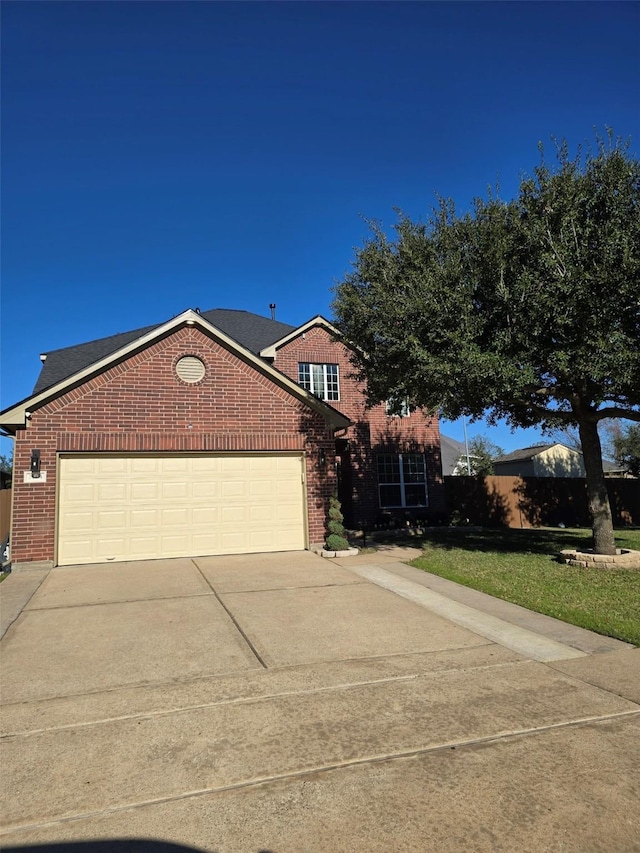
(284, 702)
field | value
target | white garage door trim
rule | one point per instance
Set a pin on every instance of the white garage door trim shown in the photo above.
(115, 507)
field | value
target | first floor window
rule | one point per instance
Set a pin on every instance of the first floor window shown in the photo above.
(402, 480)
(320, 379)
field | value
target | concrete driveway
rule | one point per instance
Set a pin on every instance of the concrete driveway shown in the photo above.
(281, 702)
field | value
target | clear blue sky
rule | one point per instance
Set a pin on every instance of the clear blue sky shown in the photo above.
(160, 156)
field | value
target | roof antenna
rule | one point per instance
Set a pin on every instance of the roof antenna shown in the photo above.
(272, 305)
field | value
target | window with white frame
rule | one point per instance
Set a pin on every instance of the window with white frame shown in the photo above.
(320, 379)
(402, 480)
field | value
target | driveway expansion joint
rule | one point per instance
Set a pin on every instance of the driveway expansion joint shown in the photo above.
(231, 616)
(322, 769)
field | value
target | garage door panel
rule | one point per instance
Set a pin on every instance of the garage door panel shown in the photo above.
(233, 515)
(110, 548)
(145, 464)
(232, 489)
(80, 521)
(122, 508)
(139, 491)
(81, 493)
(144, 518)
(208, 515)
(110, 465)
(174, 490)
(203, 490)
(112, 492)
(175, 517)
(263, 514)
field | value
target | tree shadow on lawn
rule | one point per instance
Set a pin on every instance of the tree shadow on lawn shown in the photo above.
(528, 541)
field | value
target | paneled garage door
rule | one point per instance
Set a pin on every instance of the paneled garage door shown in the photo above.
(118, 508)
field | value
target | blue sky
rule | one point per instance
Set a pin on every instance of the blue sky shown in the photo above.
(160, 156)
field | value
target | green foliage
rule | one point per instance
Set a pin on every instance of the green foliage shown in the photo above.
(626, 444)
(335, 527)
(517, 566)
(334, 512)
(336, 543)
(526, 310)
(336, 540)
(482, 453)
(6, 463)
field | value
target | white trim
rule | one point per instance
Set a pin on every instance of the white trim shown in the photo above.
(271, 350)
(16, 416)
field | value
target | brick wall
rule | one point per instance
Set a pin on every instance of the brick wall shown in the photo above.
(373, 431)
(140, 405)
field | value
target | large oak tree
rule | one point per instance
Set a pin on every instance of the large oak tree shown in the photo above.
(526, 309)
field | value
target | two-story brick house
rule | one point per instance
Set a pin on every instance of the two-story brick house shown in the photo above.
(213, 433)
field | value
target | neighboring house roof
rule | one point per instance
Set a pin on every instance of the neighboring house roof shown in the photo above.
(527, 453)
(250, 330)
(450, 452)
(122, 346)
(611, 467)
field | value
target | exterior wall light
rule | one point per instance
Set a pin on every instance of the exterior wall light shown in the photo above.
(35, 464)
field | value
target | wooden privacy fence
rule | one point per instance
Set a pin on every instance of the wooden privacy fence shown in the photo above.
(537, 501)
(5, 513)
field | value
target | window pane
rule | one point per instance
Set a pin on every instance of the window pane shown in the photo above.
(415, 495)
(304, 375)
(413, 468)
(333, 391)
(388, 468)
(390, 496)
(317, 380)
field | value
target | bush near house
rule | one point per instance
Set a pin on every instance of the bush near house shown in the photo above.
(336, 538)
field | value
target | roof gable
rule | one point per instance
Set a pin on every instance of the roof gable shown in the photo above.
(17, 415)
(295, 331)
(525, 454)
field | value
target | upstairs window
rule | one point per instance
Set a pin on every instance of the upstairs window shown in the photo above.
(402, 480)
(398, 408)
(320, 379)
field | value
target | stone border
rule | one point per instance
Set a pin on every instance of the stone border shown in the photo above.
(350, 552)
(622, 559)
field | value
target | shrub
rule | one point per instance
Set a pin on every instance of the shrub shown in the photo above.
(336, 543)
(336, 527)
(336, 540)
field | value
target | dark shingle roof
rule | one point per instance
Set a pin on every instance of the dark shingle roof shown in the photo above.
(250, 330)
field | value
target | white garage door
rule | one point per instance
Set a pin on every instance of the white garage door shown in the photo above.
(118, 508)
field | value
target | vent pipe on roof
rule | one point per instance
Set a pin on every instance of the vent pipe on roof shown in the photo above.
(43, 356)
(272, 305)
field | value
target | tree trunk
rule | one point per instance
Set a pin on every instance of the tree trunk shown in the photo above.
(597, 496)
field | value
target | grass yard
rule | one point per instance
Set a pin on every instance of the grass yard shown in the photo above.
(519, 566)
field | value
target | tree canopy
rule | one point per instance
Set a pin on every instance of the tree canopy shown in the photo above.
(626, 445)
(482, 453)
(526, 309)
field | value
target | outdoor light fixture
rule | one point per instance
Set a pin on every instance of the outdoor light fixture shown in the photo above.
(322, 457)
(35, 464)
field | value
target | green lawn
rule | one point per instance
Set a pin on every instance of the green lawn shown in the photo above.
(519, 566)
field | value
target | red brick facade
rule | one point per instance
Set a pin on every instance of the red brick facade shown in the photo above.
(372, 432)
(141, 405)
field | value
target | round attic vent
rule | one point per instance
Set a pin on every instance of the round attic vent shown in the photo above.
(190, 369)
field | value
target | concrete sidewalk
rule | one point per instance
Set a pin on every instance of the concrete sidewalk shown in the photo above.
(283, 702)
